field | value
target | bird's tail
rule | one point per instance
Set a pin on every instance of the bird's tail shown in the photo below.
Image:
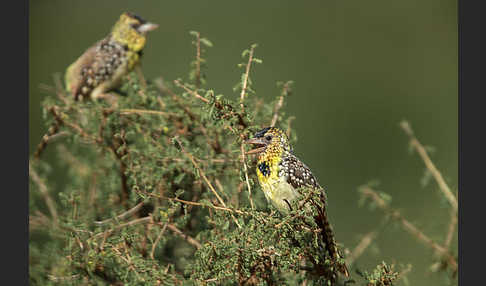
(328, 238)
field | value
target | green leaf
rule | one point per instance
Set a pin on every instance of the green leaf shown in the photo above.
(206, 42)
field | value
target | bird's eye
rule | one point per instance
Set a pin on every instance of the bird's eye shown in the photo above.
(268, 138)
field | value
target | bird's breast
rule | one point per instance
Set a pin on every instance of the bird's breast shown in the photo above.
(275, 187)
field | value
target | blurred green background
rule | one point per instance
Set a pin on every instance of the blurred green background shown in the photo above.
(359, 68)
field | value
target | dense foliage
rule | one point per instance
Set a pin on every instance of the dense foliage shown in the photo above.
(159, 191)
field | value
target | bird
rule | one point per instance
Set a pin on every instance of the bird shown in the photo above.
(281, 174)
(101, 67)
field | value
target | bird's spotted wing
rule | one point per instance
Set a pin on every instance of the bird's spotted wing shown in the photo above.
(97, 66)
(297, 173)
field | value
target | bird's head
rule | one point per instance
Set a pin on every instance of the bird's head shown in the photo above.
(269, 140)
(130, 30)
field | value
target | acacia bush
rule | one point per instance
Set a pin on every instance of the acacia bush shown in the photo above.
(159, 191)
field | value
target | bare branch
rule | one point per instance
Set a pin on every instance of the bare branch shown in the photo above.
(162, 88)
(224, 107)
(198, 60)
(289, 122)
(157, 241)
(139, 72)
(203, 175)
(197, 204)
(108, 232)
(144, 111)
(75, 127)
(189, 239)
(247, 74)
(193, 92)
(245, 168)
(451, 229)
(278, 106)
(52, 134)
(409, 227)
(430, 165)
(361, 247)
(45, 194)
(122, 215)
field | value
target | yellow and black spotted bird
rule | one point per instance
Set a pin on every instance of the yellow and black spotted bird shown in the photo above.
(100, 68)
(280, 174)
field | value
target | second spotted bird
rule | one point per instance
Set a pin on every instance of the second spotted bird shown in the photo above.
(100, 68)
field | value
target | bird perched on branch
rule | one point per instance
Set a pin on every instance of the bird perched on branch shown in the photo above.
(281, 174)
(101, 67)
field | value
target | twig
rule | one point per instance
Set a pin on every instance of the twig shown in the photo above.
(53, 129)
(198, 59)
(289, 121)
(81, 168)
(276, 109)
(409, 227)
(63, 278)
(58, 135)
(45, 194)
(451, 229)
(404, 272)
(247, 74)
(75, 127)
(115, 147)
(161, 102)
(212, 141)
(245, 168)
(51, 134)
(278, 106)
(138, 69)
(143, 111)
(157, 241)
(108, 232)
(193, 92)
(203, 175)
(361, 247)
(219, 161)
(159, 82)
(104, 119)
(121, 216)
(204, 205)
(59, 89)
(430, 165)
(92, 192)
(189, 239)
(227, 109)
(192, 203)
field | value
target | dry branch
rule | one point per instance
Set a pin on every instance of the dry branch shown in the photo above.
(189, 239)
(198, 59)
(144, 111)
(430, 165)
(157, 241)
(247, 74)
(278, 106)
(364, 243)
(122, 215)
(245, 169)
(45, 194)
(193, 92)
(197, 204)
(451, 228)
(409, 227)
(203, 175)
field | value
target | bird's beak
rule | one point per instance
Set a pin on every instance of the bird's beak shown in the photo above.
(146, 27)
(260, 145)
